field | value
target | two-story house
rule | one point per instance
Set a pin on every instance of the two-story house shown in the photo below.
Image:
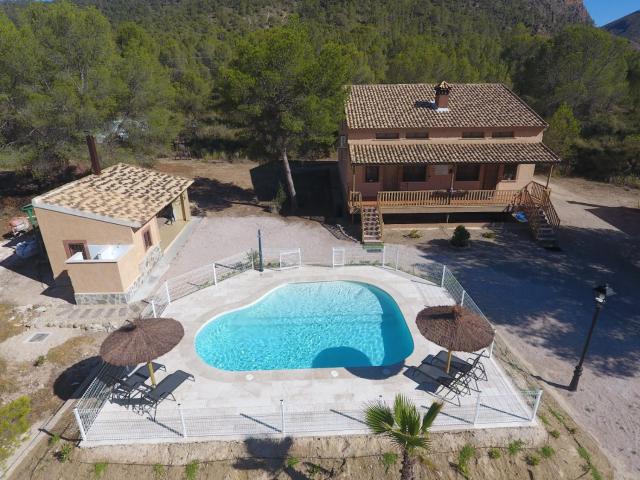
(446, 148)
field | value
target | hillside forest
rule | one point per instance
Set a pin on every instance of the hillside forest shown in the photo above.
(264, 78)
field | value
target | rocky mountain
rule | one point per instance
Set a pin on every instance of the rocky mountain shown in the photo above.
(627, 27)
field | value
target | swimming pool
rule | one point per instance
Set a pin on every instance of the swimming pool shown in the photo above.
(308, 325)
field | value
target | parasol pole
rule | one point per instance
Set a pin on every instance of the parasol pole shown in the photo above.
(153, 377)
(448, 361)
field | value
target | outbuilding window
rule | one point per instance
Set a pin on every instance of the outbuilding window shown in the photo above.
(417, 135)
(503, 134)
(76, 246)
(146, 238)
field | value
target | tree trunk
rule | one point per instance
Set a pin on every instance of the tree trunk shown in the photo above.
(289, 179)
(408, 471)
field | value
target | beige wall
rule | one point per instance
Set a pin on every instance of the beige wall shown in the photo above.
(445, 135)
(94, 276)
(392, 175)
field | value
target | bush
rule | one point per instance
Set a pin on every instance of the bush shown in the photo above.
(389, 459)
(415, 234)
(292, 462)
(494, 453)
(554, 433)
(40, 361)
(99, 469)
(547, 451)
(489, 234)
(460, 237)
(64, 453)
(532, 460)
(279, 200)
(191, 470)
(54, 439)
(466, 453)
(515, 447)
(158, 470)
(14, 424)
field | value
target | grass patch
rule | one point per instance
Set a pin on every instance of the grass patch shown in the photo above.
(292, 462)
(414, 234)
(40, 361)
(494, 453)
(388, 459)
(465, 454)
(532, 460)
(54, 439)
(191, 470)
(158, 470)
(8, 328)
(543, 418)
(515, 447)
(99, 469)
(547, 451)
(67, 353)
(584, 454)
(554, 433)
(489, 235)
(14, 423)
(64, 453)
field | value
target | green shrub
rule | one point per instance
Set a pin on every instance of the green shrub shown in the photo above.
(54, 439)
(532, 460)
(543, 418)
(415, 234)
(279, 199)
(292, 462)
(494, 453)
(584, 454)
(99, 469)
(191, 470)
(464, 455)
(64, 453)
(595, 473)
(515, 447)
(547, 451)
(389, 459)
(158, 470)
(489, 234)
(14, 424)
(554, 433)
(40, 361)
(460, 237)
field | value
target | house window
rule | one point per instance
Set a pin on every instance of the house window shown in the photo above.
(76, 246)
(387, 135)
(146, 238)
(510, 172)
(468, 173)
(417, 135)
(441, 170)
(372, 174)
(414, 173)
(503, 134)
(473, 135)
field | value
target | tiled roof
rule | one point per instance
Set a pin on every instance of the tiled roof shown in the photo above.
(411, 106)
(123, 194)
(390, 153)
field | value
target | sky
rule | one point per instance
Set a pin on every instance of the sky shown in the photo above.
(605, 11)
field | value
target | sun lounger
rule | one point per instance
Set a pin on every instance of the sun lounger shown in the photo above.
(125, 386)
(454, 384)
(152, 397)
(472, 367)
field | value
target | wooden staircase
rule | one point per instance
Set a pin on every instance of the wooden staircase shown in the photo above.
(371, 225)
(543, 219)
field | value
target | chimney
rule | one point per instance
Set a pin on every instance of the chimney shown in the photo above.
(442, 96)
(93, 154)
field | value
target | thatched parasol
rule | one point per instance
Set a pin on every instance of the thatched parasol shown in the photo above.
(455, 328)
(141, 341)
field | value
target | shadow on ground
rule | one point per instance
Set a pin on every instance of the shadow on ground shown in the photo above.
(66, 385)
(547, 296)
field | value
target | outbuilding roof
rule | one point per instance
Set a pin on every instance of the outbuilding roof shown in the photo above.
(122, 194)
(447, 153)
(411, 106)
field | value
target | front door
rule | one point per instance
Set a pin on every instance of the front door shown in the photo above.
(390, 178)
(490, 176)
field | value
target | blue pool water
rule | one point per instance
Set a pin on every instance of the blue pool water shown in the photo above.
(309, 325)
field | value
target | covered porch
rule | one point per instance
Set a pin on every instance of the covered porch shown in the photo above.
(172, 219)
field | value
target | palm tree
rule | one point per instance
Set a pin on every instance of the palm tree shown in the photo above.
(404, 427)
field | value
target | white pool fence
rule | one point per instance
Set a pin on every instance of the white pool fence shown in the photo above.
(285, 418)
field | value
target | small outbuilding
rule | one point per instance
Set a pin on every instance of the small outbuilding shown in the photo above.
(106, 231)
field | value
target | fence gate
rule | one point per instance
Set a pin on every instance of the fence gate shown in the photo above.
(290, 259)
(338, 257)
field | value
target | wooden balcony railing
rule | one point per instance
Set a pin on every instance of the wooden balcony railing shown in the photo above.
(427, 198)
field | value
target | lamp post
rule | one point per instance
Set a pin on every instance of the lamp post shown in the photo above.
(601, 294)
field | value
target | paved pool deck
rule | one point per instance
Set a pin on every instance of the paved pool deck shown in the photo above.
(307, 390)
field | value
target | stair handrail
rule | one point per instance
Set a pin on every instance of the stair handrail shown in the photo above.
(531, 210)
(541, 196)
